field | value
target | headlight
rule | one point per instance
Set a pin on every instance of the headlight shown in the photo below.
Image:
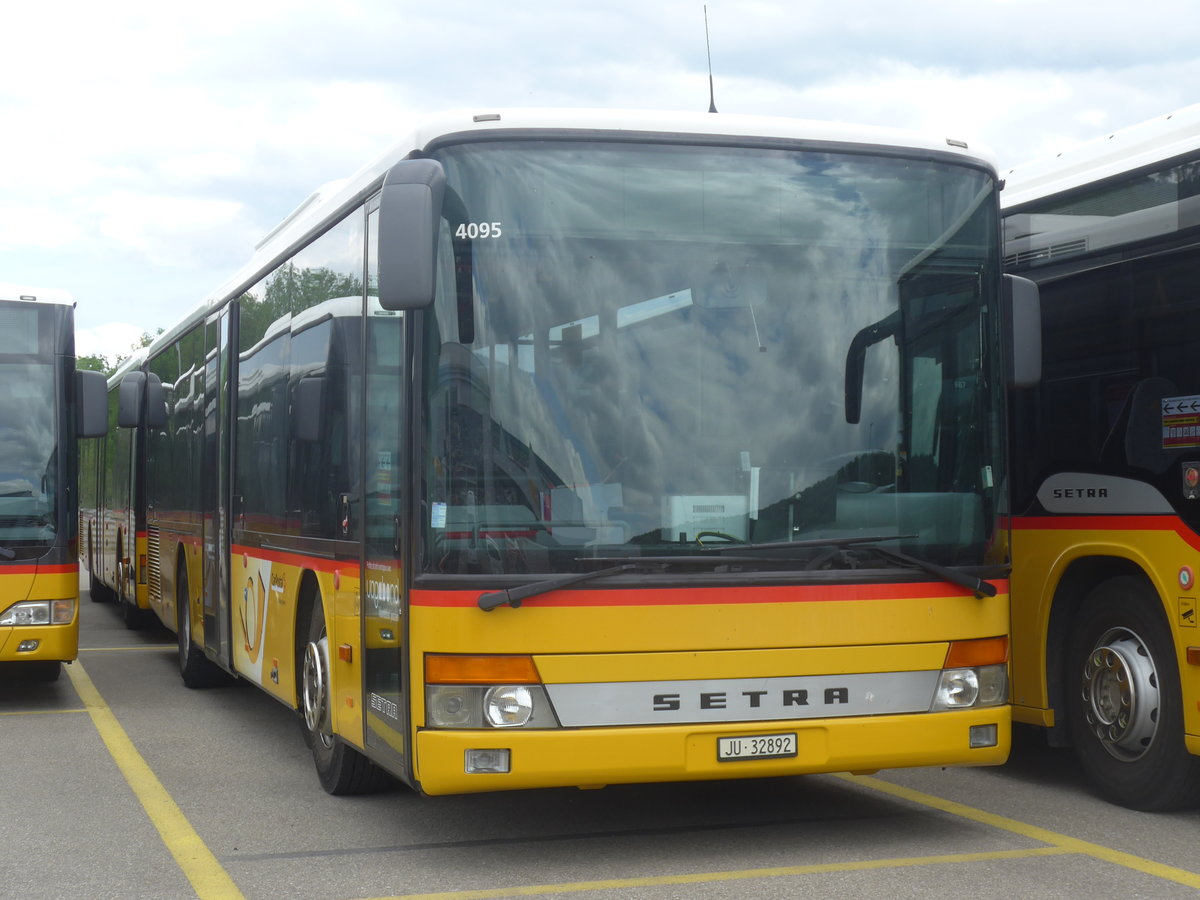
(975, 687)
(452, 706)
(481, 706)
(39, 612)
(957, 689)
(508, 706)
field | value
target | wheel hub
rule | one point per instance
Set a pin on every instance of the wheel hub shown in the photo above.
(315, 685)
(1120, 694)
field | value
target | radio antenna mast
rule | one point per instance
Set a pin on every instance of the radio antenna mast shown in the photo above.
(712, 103)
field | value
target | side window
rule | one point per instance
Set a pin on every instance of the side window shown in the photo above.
(293, 469)
(314, 485)
(159, 446)
(262, 418)
(383, 376)
(328, 268)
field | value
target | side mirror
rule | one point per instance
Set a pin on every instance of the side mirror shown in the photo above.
(156, 403)
(410, 210)
(1023, 323)
(856, 361)
(91, 404)
(129, 400)
(308, 399)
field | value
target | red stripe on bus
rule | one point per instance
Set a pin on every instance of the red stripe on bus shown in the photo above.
(1172, 524)
(715, 595)
(36, 569)
(299, 560)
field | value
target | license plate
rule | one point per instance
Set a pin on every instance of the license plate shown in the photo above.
(757, 746)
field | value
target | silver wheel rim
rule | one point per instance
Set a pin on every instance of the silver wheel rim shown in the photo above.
(185, 625)
(1120, 694)
(315, 687)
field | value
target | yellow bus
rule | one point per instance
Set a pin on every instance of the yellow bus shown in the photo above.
(112, 506)
(565, 448)
(44, 405)
(1106, 459)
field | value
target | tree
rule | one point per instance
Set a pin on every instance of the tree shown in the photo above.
(96, 362)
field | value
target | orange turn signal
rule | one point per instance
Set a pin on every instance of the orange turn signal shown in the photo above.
(445, 669)
(981, 652)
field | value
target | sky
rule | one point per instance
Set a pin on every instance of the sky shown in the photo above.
(146, 147)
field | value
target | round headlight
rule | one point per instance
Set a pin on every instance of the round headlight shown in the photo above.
(959, 688)
(508, 706)
(450, 706)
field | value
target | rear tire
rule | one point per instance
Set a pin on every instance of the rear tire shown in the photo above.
(1124, 708)
(340, 767)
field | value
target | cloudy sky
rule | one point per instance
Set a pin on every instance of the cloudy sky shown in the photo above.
(147, 146)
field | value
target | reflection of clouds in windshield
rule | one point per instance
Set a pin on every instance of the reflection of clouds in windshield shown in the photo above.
(26, 427)
(785, 264)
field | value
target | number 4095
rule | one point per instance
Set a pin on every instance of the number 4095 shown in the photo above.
(473, 230)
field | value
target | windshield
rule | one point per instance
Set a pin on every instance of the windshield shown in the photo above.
(28, 457)
(641, 350)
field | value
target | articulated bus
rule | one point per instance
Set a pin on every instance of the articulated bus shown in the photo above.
(562, 448)
(44, 405)
(1106, 459)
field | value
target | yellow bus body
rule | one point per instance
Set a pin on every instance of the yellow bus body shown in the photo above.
(604, 637)
(1044, 549)
(573, 642)
(56, 643)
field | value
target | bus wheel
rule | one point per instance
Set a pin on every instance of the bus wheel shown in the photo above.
(196, 669)
(96, 590)
(340, 768)
(130, 614)
(1125, 713)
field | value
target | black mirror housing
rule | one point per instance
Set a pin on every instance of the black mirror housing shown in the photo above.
(410, 210)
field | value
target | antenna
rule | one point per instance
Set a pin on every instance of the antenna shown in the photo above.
(712, 103)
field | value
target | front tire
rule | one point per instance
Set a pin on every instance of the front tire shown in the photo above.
(196, 669)
(340, 768)
(96, 589)
(1124, 708)
(133, 617)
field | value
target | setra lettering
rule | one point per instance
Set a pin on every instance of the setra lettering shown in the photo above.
(746, 700)
(1080, 493)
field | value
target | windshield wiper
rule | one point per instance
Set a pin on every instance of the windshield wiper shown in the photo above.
(514, 596)
(810, 544)
(5, 553)
(716, 556)
(980, 587)
(714, 561)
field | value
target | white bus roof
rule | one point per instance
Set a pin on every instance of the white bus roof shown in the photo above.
(11, 291)
(1136, 147)
(336, 196)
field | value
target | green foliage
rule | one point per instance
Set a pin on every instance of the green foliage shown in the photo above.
(290, 290)
(96, 362)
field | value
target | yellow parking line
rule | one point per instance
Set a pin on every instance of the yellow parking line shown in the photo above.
(1057, 845)
(1053, 838)
(533, 890)
(207, 876)
(41, 712)
(130, 647)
